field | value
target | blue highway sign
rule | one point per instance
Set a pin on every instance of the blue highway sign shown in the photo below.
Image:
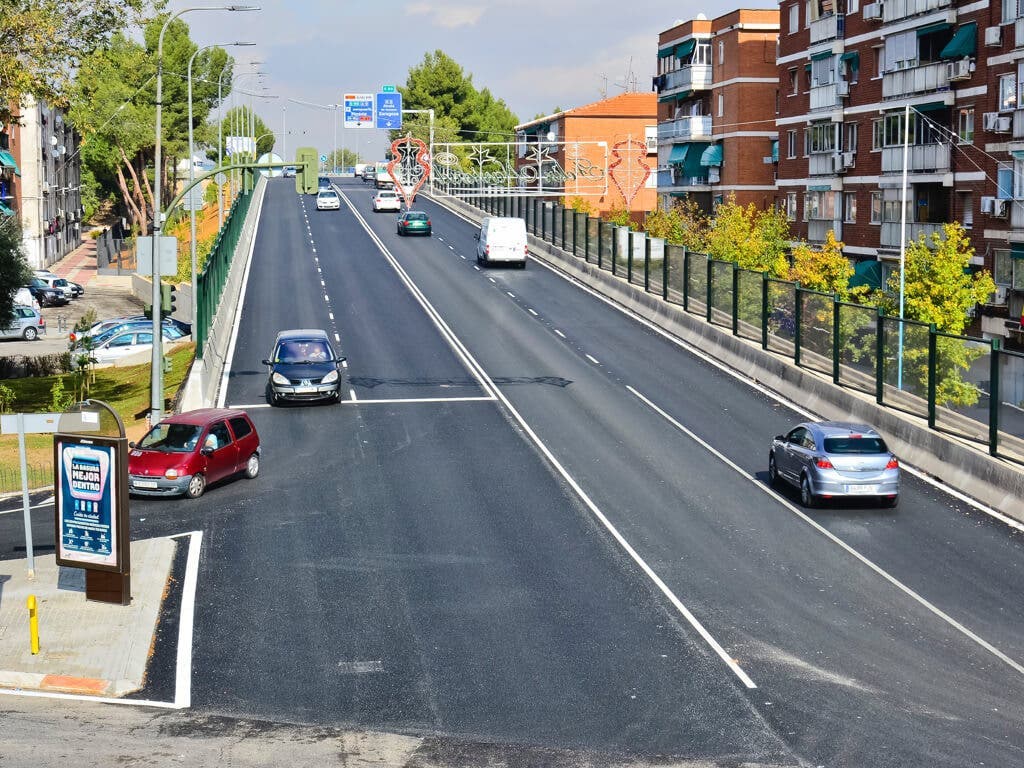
(389, 111)
(359, 110)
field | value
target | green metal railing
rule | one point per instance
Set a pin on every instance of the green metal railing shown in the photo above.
(962, 385)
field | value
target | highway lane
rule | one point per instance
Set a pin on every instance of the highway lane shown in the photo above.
(831, 636)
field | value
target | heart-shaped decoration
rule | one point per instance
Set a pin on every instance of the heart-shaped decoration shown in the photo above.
(629, 172)
(409, 167)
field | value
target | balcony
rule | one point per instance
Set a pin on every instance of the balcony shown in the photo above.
(829, 96)
(685, 128)
(1018, 124)
(1016, 213)
(827, 28)
(890, 235)
(693, 77)
(673, 177)
(920, 158)
(922, 79)
(894, 10)
(818, 229)
(821, 164)
(1018, 33)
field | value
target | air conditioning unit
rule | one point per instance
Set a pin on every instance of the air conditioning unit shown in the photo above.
(959, 70)
(842, 88)
(994, 36)
(873, 12)
(652, 145)
(987, 204)
(1000, 208)
(837, 163)
(999, 297)
(46, 187)
(849, 158)
(1004, 124)
(990, 120)
(767, 160)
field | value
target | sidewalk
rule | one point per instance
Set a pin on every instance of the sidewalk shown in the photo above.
(85, 647)
(80, 264)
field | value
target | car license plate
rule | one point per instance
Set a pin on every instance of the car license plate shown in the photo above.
(865, 490)
(305, 390)
(145, 483)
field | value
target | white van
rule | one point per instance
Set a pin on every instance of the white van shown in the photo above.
(502, 239)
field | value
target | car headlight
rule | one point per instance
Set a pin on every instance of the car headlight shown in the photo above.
(277, 378)
(172, 474)
(330, 378)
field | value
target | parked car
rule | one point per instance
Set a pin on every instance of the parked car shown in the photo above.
(27, 323)
(303, 367)
(413, 223)
(121, 344)
(24, 296)
(46, 295)
(502, 239)
(58, 284)
(171, 332)
(77, 290)
(831, 459)
(328, 200)
(387, 200)
(102, 325)
(185, 453)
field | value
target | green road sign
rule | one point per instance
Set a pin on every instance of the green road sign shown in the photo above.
(387, 89)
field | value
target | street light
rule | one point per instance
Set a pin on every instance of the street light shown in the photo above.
(156, 395)
(191, 180)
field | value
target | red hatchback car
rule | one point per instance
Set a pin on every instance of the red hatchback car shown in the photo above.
(184, 453)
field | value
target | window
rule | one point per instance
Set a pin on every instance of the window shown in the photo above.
(702, 53)
(850, 140)
(854, 70)
(965, 125)
(810, 7)
(721, 52)
(1003, 272)
(879, 60)
(901, 50)
(876, 207)
(852, 6)
(240, 426)
(1009, 10)
(965, 203)
(877, 135)
(794, 18)
(850, 207)
(794, 82)
(807, 142)
(823, 71)
(791, 144)
(219, 432)
(1007, 92)
(823, 137)
(791, 206)
(1004, 183)
(721, 105)
(820, 206)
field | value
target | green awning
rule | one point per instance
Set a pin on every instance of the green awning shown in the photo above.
(7, 160)
(821, 55)
(819, 188)
(1018, 154)
(684, 49)
(664, 53)
(940, 27)
(964, 42)
(867, 273)
(931, 106)
(681, 96)
(687, 156)
(5, 210)
(853, 56)
(1017, 250)
(712, 156)
(807, 67)
(678, 154)
(775, 151)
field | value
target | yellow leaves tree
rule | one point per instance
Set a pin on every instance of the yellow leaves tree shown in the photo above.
(683, 224)
(825, 269)
(754, 239)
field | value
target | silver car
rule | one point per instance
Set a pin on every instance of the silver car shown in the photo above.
(27, 323)
(831, 459)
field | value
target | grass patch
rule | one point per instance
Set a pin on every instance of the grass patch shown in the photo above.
(126, 390)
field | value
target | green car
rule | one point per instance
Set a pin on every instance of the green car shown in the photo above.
(413, 223)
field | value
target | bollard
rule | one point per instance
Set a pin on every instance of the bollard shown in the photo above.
(33, 624)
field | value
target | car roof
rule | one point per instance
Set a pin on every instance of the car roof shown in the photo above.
(410, 213)
(309, 334)
(834, 428)
(203, 416)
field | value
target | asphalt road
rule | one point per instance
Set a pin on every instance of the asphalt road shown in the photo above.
(536, 521)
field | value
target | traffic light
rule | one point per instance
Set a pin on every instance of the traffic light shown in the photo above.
(168, 299)
(147, 310)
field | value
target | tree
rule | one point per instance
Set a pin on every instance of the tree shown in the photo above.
(826, 269)
(342, 158)
(240, 116)
(14, 270)
(44, 42)
(683, 224)
(755, 240)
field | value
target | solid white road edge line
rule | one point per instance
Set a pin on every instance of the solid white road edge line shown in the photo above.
(593, 359)
(424, 400)
(183, 678)
(94, 699)
(829, 535)
(559, 333)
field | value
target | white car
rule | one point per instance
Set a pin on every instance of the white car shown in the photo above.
(328, 200)
(57, 283)
(387, 200)
(24, 297)
(123, 344)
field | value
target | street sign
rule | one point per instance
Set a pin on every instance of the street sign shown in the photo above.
(323, 158)
(359, 110)
(387, 89)
(234, 145)
(168, 255)
(194, 199)
(389, 111)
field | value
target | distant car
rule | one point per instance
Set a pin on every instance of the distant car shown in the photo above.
(370, 173)
(303, 367)
(413, 223)
(323, 184)
(502, 239)
(328, 201)
(77, 290)
(46, 295)
(27, 323)
(186, 452)
(288, 171)
(830, 459)
(387, 200)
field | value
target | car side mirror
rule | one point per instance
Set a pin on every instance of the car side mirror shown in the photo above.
(206, 451)
(131, 443)
(781, 438)
(266, 362)
(476, 235)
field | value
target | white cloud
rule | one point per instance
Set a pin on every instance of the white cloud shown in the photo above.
(448, 15)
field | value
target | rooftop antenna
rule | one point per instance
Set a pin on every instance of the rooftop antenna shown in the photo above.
(629, 82)
(603, 90)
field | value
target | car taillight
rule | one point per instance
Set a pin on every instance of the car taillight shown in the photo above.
(823, 464)
(72, 337)
(42, 322)
(487, 249)
(526, 250)
(428, 222)
(893, 464)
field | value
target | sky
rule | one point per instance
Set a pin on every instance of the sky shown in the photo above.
(535, 55)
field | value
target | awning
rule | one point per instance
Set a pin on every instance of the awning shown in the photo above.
(867, 273)
(931, 28)
(664, 53)
(819, 188)
(931, 106)
(964, 42)
(684, 49)
(1017, 250)
(7, 160)
(5, 210)
(688, 156)
(853, 56)
(678, 154)
(775, 151)
(821, 55)
(1018, 154)
(712, 156)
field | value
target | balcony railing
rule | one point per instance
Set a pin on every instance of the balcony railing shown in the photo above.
(689, 127)
(827, 28)
(828, 96)
(1018, 124)
(893, 10)
(920, 158)
(890, 236)
(922, 79)
(818, 229)
(821, 164)
(1016, 213)
(693, 77)
(673, 177)
(1018, 33)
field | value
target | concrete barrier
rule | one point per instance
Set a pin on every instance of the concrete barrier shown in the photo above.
(954, 462)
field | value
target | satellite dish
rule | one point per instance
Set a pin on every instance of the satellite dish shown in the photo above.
(61, 149)
(53, 140)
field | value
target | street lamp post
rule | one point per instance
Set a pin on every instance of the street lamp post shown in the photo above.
(903, 242)
(156, 405)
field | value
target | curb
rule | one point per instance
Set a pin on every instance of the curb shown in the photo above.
(33, 681)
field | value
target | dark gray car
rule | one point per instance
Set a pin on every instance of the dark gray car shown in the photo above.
(303, 367)
(832, 459)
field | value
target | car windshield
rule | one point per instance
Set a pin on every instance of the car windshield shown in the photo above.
(171, 438)
(415, 217)
(305, 351)
(328, 196)
(862, 445)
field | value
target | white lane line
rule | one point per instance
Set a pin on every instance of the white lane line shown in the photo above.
(352, 394)
(323, 284)
(94, 699)
(476, 267)
(440, 239)
(493, 280)
(344, 363)
(462, 257)
(592, 359)
(183, 682)
(327, 298)
(829, 535)
(428, 400)
(532, 312)
(559, 333)
(337, 338)
(510, 294)
(331, 316)
(45, 503)
(248, 406)
(451, 247)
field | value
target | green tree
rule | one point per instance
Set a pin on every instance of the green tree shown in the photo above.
(14, 270)
(825, 269)
(683, 224)
(239, 116)
(44, 43)
(342, 158)
(755, 240)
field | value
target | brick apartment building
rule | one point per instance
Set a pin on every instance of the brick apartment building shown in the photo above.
(847, 72)
(611, 121)
(716, 84)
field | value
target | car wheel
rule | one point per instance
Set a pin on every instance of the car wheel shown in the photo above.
(196, 486)
(773, 471)
(30, 334)
(807, 498)
(252, 467)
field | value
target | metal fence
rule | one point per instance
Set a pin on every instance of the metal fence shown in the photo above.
(965, 386)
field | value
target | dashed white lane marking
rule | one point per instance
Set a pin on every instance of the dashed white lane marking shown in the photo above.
(493, 280)
(477, 268)
(352, 394)
(337, 338)
(559, 333)
(323, 284)
(532, 312)
(510, 294)
(429, 400)
(462, 257)
(45, 503)
(330, 315)
(344, 363)
(593, 359)
(327, 298)
(440, 239)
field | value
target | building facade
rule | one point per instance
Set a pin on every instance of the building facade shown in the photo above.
(716, 84)
(615, 135)
(856, 79)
